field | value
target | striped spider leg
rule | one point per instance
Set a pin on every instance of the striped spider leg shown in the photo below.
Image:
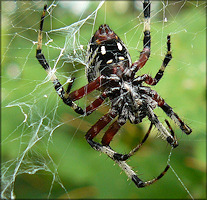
(67, 97)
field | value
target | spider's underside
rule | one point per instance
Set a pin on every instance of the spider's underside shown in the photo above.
(110, 70)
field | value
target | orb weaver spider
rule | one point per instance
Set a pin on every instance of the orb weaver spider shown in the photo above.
(111, 71)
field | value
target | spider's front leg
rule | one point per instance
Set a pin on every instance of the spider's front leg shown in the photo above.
(145, 54)
(108, 136)
(57, 85)
(153, 81)
(67, 97)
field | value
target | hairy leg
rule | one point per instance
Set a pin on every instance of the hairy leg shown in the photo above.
(67, 97)
(153, 81)
(145, 54)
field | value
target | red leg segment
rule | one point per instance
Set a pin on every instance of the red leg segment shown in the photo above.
(144, 56)
(153, 81)
(96, 103)
(112, 130)
(99, 125)
(78, 94)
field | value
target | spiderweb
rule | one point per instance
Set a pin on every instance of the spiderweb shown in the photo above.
(44, 153)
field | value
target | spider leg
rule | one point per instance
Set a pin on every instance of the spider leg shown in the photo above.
(132, 175)
(67, 98)
(129, 172)
(126, 168)
(97, 127)
(171, 130)
(145, 54)
(109, 134)
(168, 110)
(113, 129)
(163, 131)
(83, 91)
(41, 58)
(93, 106)
(123, 157)
(167, 59)
(153, 81)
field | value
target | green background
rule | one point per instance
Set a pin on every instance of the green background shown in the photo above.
(57, 162)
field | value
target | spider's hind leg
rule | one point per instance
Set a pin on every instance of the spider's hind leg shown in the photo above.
(123, 157)
(106, 149)
(133, 176)
(165, 62)
(67, 97)
(97, 127)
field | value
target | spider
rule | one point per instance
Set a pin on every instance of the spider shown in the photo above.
(111, 71)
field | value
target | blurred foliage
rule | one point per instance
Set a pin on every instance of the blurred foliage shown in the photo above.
(82, 171)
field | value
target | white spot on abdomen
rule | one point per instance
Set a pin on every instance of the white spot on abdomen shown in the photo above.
(121, 58)
(103, 50)
(119, 46)
(109, 61)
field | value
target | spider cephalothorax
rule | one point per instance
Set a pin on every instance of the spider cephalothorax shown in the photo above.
(110, 70)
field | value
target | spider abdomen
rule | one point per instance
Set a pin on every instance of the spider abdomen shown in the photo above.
(107, 55)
